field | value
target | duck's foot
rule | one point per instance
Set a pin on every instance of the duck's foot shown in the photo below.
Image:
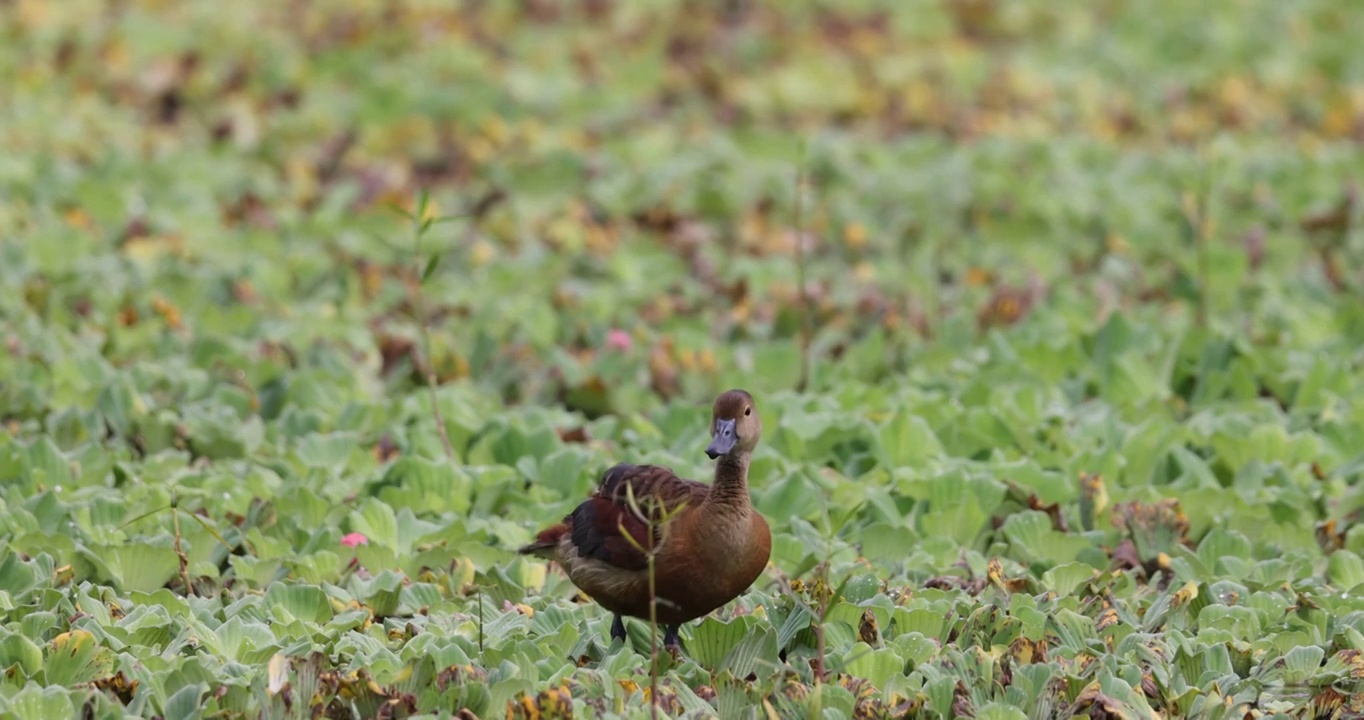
(672, 642)
(618, 629)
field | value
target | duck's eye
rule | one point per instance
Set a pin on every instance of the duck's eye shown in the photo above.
(748, 411)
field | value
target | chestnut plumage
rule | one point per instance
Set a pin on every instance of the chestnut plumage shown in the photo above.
(706, 554)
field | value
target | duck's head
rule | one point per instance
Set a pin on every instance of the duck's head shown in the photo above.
(734, 425)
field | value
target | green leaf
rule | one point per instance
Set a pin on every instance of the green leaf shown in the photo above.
(1344, 569)
(798, 620)
(430, 269)
(76, 657)
(999, 711)
(138, 567)
(1064, 579)
(186, 703)
(16, 577)
(755, 654)
(956, 506)
(246, 640)
(382, 593)
(877, 665)
(47, 465)
(1302, 663)
(376, 521)
(907, 441)
(927, 622)
(15, 649)
(302, 602)
(1031, 534)
(941, 692)
(712, 641)
(35, 702)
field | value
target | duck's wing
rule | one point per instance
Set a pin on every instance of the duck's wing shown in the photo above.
(657, 490)
(604, 525)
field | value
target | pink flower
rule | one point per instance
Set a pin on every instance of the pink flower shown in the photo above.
(353, 539)
(619, 340)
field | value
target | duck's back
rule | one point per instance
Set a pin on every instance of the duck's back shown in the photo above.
(612, 526)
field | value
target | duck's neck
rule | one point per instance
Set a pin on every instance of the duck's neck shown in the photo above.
(730, 489)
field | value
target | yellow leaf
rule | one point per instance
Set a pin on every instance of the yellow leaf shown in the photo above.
(277, 674)
(1186, 593)
(855, 235)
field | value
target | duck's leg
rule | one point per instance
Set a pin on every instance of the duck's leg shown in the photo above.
(671, 639)
(618, 629)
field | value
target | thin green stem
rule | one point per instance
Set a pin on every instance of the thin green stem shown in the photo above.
(421, 225)
(179, 549)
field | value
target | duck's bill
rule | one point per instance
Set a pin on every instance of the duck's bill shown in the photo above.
(724, 439)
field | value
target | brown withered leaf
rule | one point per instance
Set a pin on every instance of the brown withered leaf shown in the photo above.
(1153, 527)
(1328, 537)
(393, 350)
(961, 701)
(128, 315)
(459, 675)
(1029, 499)
(1185, 595)
(1010, 304)
(1354, 659)
(1027, 652)
(244, 291)
(385, 449)
(592, 397)
(669, 704)
(1335, 219)
(1108, 617)
(573, 435)
(163, 86)
(1093, 498)
(1148, 686)
(972, 586)
(1253, 241)
(1125, 556)
(119, 685)
(136, 228)
(977, 20)
(663, 373)
(168, 311)
(250, 211)
(859, 687)
(1328, 703)
(360, 688)
(978, 277)
(995, 574)
(657, 219)
(332, 153)
(1098, 705)
(867, 630)
(485, 203)
(1053, 511)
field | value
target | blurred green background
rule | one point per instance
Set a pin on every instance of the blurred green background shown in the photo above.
(1078, 425)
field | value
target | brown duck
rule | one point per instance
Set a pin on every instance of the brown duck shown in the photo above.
(708, 553)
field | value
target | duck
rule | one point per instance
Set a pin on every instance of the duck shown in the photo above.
(710, 544)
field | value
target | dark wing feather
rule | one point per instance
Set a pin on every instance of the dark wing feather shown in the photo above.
(603, 526)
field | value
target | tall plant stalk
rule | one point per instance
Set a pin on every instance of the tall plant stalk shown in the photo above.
(803, 294)
(651, 554)
(426, 267)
